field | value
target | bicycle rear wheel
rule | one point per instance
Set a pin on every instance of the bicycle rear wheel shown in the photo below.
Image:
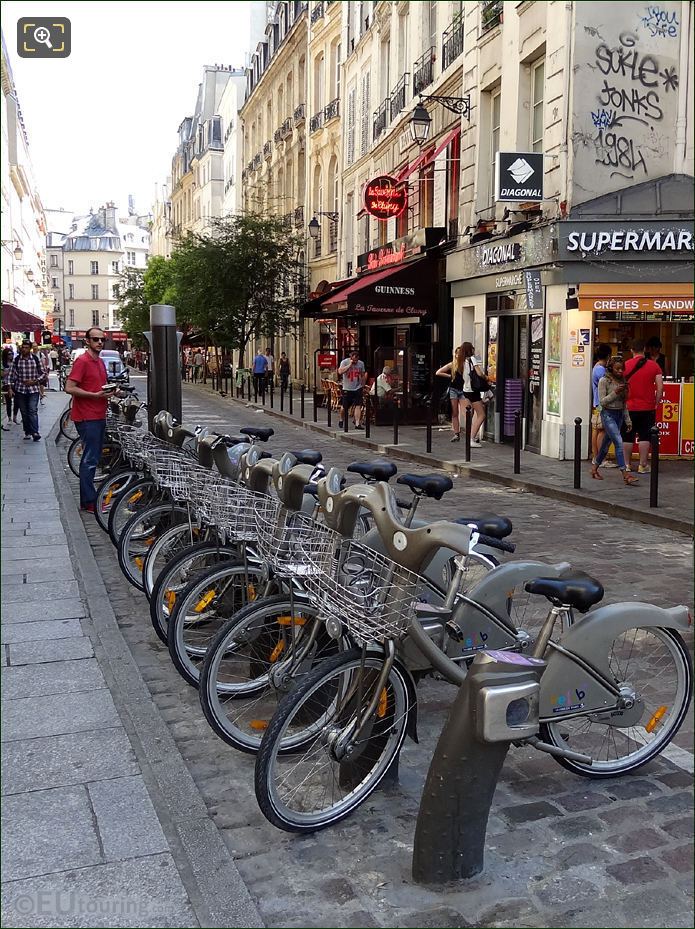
(67, 426)
(140, 533)
(655, 665)
(140, 494)
(109, 456)
(312, 789)
(109, 491)
(170, 543)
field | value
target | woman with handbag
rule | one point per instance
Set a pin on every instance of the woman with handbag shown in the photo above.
(462, 371)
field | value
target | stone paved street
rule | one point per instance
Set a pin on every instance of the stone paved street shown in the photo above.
(561, 850)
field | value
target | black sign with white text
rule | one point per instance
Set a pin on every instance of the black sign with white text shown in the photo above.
(519, 176)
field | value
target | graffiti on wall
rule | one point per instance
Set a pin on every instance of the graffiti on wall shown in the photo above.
(624, 126)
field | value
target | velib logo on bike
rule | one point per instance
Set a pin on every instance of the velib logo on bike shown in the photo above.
(519, 176)
(572, 700)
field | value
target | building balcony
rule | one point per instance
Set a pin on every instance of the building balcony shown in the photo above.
(317, 12)
(287, 221)
(257, 160)
(397, 100)
(381, 119)
(299, 216)
(331, 111)
(300, 115)
(277, 137)
(286, 128)
(423, 71)
(452, 41)
(490, 15)
(249, 167)
(316, 122)
(268, 149)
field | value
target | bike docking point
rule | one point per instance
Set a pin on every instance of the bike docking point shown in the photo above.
(497, 704)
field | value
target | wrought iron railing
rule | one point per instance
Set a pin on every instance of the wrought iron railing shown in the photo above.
(257, 159)
(423, 71)
(316, 122)
(299, 114)
(491, 15)
(299, 216)
(249, 167)
(268, 149)
(381, 119)
(452, 41)
(286, 128)
(331, 110)
(317, 12)
(397, 99)
(277, 137)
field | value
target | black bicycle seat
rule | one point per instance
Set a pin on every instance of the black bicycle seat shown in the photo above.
(231, 440)
(377, 470)
(431, 485)
(499, 527)
(308, 456)
(579, 591)
(262, 434)
(265, 455)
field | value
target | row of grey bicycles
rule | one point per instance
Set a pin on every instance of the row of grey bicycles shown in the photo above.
(308, 606)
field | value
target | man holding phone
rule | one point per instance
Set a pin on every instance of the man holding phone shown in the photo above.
(85, 386)
(26, 381)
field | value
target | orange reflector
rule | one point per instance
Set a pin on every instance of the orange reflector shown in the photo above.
(107, 498)
(135, 497)
(287, 621)
(204, 601)
(170, 597)
(259, 724)
(654, 721)
(251, 591)
(276, 652)
(383, 703)
(139, 562)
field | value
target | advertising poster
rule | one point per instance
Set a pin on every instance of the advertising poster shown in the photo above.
(553, 390)
(687, 419)
(554, 330)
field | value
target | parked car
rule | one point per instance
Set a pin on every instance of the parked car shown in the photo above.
(115, 366)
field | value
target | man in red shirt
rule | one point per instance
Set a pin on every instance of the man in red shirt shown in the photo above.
(645, 389)
(84, 384)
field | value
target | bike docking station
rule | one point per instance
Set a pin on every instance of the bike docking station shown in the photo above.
(164, 373)
(497, 704)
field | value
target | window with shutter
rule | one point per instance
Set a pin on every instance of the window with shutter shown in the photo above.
(351, 126)
(366, 113)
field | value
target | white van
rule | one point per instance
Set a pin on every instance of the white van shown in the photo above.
(115, 366)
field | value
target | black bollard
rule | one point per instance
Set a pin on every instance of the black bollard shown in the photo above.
(396, 417)
(577, 452)
(346, 417)
(654, 474)
(255, 391)
(282, 399)
(301, 401)
(328, 411)
(517, 442)
(428, 439)
(263, 394)
(291, 404)
(272, 392)
(467, 437)
(367, 416)
(316, 405)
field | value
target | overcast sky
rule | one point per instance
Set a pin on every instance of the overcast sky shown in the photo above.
(102, 123)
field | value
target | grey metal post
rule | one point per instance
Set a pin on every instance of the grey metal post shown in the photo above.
(496, 705)
(164, 373)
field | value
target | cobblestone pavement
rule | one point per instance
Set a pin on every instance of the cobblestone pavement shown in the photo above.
(561, 850)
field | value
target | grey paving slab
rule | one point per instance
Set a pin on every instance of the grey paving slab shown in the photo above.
(36, 574)
(42, 593)
(19, 541)
(56, 677)
(48, 830)
(126, 819)
(30, 631)
(61, 760)
(33, 717)
(134, 893)
(37, 558)
(34, 611)
(46, 650)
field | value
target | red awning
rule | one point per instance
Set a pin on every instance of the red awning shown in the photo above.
(429, 155)
(16, 320)
(365, 281)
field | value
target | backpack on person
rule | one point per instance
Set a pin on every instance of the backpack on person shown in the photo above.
(480, 384)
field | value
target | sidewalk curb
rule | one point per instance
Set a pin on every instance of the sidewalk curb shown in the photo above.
(217, 893)
(649, 517)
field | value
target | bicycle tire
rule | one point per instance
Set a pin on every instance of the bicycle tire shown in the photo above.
(174, 540)
(140, 532)
(389, 734)
(664, 724)
(109, 455)
(109, 491)
(140, 494)
(239, 712)
(192, 627)
(68, 429)
(178, 574)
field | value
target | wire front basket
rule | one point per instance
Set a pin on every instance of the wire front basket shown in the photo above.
(234, 510)
(294, 544)
(371, 594)
(172, 471)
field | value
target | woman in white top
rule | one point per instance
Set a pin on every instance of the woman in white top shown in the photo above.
(461, 391)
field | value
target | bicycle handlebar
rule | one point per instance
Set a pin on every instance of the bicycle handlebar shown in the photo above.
(492, 542)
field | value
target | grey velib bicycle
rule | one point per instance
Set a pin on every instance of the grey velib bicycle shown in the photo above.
(616, 690)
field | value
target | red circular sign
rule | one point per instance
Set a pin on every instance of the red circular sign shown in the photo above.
(385, 197)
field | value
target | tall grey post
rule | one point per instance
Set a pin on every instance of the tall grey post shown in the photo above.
(164, 374)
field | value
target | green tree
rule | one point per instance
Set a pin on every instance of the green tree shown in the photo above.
(137, 289)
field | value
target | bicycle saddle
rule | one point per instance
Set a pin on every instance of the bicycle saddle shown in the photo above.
(307, 456)
(579, 590)
(499, 527)
(431, 485)
(262, 434)
(377, 470)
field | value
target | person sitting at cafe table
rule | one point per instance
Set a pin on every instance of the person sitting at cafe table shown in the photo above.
(384, 386)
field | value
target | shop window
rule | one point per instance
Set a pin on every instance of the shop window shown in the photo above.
(453, 178)
(494, 109)
(427, 196)
(537, 90)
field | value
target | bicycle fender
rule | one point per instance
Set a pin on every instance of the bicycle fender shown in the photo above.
(567, 687)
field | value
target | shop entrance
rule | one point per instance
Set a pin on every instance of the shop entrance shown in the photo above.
(408, 351)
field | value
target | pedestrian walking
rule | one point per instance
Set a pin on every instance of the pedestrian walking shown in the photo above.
(612, 397)
(460, 369)
(645, 390)
(285, 371)
(53, 355)
(45, 363)
(270, 371)
(353, 373)
(25, 382)
(260, 369)
(198, 362)
(10, 400)
(603, 354)
(84, 384)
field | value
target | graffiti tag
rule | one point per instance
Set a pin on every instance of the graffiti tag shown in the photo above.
(660, 22)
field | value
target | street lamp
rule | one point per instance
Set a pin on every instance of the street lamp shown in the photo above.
(314, 226)
(18, 251)
(420, 121)
(420, 124)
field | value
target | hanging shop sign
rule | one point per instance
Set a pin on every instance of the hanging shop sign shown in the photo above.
(400, 250)
(625, 241)
(534, 290)
(384, 197)
(519, 176)
(328, 360)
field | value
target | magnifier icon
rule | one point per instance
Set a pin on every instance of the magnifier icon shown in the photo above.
(43, 36)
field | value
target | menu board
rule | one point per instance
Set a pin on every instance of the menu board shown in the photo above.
(675, 421)
(419, 374)
(687, 446)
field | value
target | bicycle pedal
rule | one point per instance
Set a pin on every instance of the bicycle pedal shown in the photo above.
(454, 631)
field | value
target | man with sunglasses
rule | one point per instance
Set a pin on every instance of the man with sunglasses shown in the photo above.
(89, 403)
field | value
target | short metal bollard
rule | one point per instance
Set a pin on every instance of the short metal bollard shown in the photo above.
(290, 398)
(577, 452)
(396, 417)
(272, 394)
(301, 401)
(496, 705)
(346, 418)
(316, 405)
(654, 473)
(367, 416)
(428, 438)
(329, 406)
(282, 399)
(255, 391)
(517, 442)
(467, 437)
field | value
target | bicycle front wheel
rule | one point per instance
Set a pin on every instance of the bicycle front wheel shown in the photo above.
(109, 492)
(319, 786)
(655, 666)
(67, 426)
(168, 545)
(140, 533)
(140, 494)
